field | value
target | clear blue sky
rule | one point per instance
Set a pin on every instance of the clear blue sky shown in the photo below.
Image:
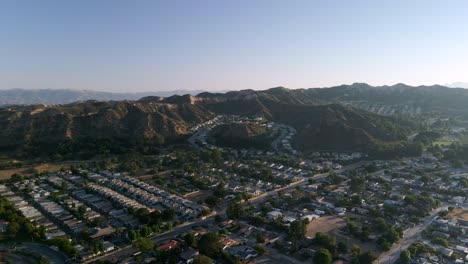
(115, 45)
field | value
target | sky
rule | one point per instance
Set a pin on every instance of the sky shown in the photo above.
(134, 46)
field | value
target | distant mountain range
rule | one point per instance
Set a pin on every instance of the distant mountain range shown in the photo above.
(65, 96)
(397, 99)
(347, 117)
(458, 85)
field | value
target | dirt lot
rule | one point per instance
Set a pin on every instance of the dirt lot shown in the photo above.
(331, 225)
(198, 196)
(326, 224)
(459, 213)
(29, 170)
(143, 174)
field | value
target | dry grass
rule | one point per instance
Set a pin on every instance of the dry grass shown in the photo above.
(198, 195)
(29, 170)
(459, 213)
(326, 224)
(330, 225)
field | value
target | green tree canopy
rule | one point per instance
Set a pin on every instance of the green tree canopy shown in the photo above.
(210, 244)
(234, 210)
(201, 259)
(143, 244)
(323, 256)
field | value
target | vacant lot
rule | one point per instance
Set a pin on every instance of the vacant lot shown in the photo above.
(326, 224)
(459, 213)
(29, 170)
(198, 195)
(331, 225)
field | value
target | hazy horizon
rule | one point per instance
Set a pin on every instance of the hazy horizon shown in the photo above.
(449, 85)
(121, 46)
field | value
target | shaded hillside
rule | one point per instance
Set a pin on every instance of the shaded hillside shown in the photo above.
(155, 121)
(383, 100)
(336, 127)
(320, 127)
(399, 98)
(42, 129)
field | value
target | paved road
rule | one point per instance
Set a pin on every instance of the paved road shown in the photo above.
(411, 236)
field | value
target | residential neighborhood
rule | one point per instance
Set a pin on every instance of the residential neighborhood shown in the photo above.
(259, 209)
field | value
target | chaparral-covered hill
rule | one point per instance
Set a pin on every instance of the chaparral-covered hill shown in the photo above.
(155, 121)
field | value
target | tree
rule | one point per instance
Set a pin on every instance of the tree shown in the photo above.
(143, 244)
(392, 235)
(65, 246)
(64, 186)
(410, 199)
(325, 241)
(132, 235)
(383, 243)
(440, 241)
(212, 201)
(142, 213)
(405, 257)
(145, 231)
(297, 231)
(13, 229)
(366, 258)
(260, 238)
(356, 200)
(168, 215)
(190, 240)
(218, 219)
(44, 260)
(16, 178)
(210, 244)
(81, 211)
(355, 251)
(155, 228)
(154, 218)
(323, 256)
(98, 247)
(101, 246)
(380, 224)
(220, 191)
(342, 247)
(234, 210)
(42, 232)
(201, 259)
(357, 184)
(260, 249)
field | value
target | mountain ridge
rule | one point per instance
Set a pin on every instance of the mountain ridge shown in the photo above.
(356, 92)
(155, 121)
(19, 96)
(346, 117)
